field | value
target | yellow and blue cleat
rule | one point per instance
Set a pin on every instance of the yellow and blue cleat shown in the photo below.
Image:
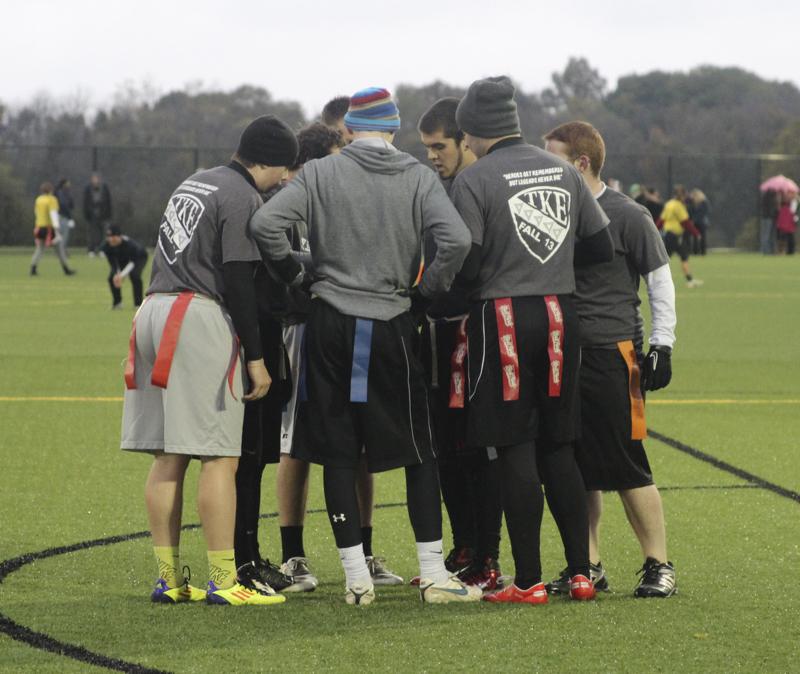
(239, 595)
(164, 594)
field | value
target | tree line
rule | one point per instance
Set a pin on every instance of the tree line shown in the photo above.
(659, 127)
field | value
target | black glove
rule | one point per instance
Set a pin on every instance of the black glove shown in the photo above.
(657, 368)
(308, 279)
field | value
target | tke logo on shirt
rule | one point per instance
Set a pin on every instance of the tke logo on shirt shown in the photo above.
(178, 224)
(541, 219)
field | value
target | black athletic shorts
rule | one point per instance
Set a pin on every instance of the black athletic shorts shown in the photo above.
(43, 233)
(493, 421)
(362, 386)
(437, 344)
(607, 455)
(676, 244)
(261, 433)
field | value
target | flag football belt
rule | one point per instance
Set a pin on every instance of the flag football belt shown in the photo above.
(555, 345)
(638, 425)
(458, 370)
(167, 345)
(433, 331)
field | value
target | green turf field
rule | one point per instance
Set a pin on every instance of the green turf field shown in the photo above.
(735, 544)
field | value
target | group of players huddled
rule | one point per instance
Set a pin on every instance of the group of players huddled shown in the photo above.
(479, 329)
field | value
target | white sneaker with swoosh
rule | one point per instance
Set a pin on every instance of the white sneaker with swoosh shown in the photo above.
(359, 594)
(450, 591)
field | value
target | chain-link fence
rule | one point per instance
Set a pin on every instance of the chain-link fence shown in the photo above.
(142, 178)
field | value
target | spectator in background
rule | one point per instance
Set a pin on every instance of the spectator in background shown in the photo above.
(45, 230)
(786, 225)
(66, 204)
(698, 207)
(97, 210)
(651, 200)
(127, 258)
(770, 204)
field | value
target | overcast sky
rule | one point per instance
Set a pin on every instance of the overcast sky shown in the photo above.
(310, 51)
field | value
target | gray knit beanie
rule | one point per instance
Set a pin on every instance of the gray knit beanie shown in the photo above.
(488, 109)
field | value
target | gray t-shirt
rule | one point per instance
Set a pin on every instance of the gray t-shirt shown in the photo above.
(204, 226)
(607, 294)
(526, 208)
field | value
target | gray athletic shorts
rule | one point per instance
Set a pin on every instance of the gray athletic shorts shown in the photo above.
(196, 414)
(293, 342)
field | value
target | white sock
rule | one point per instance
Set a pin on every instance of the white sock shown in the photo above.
(355, 565)
(431, 561)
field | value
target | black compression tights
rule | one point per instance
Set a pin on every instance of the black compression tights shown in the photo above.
(523, 504)
(566, 498)
(248, 507)
(422, 491)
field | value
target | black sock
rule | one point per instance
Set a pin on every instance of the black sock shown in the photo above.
(292, 542)
(424, 506)
(457, 495)
(523, 504)
(489, 516)
(566, 498)
(688, 277)
(366, 539)
(342, 504)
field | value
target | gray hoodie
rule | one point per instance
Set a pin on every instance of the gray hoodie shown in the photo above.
(367, 210)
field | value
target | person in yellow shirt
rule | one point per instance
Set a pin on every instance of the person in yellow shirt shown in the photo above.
(46, 227)
(674, 220)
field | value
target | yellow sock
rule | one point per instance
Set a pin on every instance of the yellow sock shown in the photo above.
(169, 562)
(222, 568)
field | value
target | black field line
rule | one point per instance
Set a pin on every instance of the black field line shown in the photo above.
(48, 644)
(43, 642)
(726, 467)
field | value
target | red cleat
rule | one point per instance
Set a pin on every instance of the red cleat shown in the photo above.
(513, 595)
(581, 588)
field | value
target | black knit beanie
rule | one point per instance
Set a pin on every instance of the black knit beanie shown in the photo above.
(267, 140)
(488, 109)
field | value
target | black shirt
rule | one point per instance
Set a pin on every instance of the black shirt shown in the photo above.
(128, 251)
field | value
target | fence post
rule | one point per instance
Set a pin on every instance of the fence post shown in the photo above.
(760, 177)
(668, 195)
(94, 158)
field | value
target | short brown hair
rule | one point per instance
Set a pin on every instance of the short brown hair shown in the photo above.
(582, 139)
(46, 188)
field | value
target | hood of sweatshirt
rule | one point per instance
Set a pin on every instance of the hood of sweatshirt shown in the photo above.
(379, 158)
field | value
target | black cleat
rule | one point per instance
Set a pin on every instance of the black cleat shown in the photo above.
(560, 585)
(257, 575)
(656, 580)
(459, 559)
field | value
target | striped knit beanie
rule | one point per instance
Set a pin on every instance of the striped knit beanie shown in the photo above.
(372, 109)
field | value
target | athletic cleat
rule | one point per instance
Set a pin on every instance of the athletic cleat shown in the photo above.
(359, 594)
(451, 590)
(459, 559)
(381, 574)
(694, 283)
(163, 594)
(296, 568)
(581, 588)
(536, 594)
(656, 580)
(485, 575)
(262, 576)
(239, 595)
(560, 585)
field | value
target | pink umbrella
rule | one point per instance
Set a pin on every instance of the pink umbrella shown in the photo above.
(780, 184)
